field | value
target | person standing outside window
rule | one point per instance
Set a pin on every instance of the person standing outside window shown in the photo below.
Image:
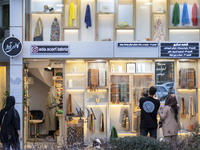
(10, 125)
(149, 108)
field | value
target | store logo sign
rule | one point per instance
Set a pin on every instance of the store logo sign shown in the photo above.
(46, 49)
(12, 46)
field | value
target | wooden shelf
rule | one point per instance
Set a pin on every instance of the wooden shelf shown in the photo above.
(105, 13)
(75, 74)
(66, 28)
(125, 28)
(185, 27)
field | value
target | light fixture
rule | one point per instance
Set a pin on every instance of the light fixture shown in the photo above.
(49, 67)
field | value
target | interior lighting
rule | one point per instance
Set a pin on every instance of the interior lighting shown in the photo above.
(49, 67)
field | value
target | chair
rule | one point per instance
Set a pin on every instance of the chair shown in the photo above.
(36, 118)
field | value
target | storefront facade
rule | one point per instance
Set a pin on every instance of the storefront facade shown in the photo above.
(102, 69)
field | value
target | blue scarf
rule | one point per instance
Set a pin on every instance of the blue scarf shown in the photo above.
(185, 16)
(88, 17)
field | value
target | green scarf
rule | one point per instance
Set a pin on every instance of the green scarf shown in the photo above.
(176, 15)
(113, 133)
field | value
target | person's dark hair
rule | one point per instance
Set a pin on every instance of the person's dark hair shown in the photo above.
(152, 90)
(145, 94)
(171, 101)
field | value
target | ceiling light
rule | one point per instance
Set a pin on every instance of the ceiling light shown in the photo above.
(49, 66)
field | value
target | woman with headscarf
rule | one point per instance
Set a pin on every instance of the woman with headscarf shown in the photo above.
(50, 117)
(169, 117)
(10, 125)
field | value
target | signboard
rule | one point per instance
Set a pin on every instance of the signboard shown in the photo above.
(12, 46)
(179, 50)
(137, 44)
(46, 49)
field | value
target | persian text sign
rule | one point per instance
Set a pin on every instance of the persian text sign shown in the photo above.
(179, 50)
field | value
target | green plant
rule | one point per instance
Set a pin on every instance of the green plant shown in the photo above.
(6, 93)
(138, 143)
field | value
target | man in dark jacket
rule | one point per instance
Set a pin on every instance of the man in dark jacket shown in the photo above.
(149, 108)
(10, 125)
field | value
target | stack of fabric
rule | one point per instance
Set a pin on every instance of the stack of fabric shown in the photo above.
(123, 92)
(115, 92)
(93, 79)
(187, 78)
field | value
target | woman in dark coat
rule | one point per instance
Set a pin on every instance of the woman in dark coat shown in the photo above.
(10, 125)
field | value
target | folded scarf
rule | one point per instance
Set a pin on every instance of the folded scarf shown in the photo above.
(55, 30)
(123, 92)
(38, 33)
(190, 78)
(194, 15)
(102, 77)
(176, 15)
(183, 78)
(88, 16)
(183, 114)
(71, 14)
(115, 88)
(185, 16)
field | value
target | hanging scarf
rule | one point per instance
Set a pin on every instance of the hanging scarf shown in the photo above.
(190, 78)
(102, 123)
(55, 30)
(91, 122)
(185, 16)
(191, 108)
(176, 15)
(70, 110)
(125, 120)
(93, 79)
(158, 34)
(113, 134)
(38, 33)
(102, 77)
(183, 78)
(123, 92)
(71, 14)
(135, 124)
(183, 114)
(194, 15)
(88, 16)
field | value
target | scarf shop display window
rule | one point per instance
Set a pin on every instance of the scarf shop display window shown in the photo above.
(187, 93)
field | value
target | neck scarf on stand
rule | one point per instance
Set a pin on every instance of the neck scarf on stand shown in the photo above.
(123, 92)
(88, 16)
(38, 34)
(70, 110)
(176, 15)
(93, 79)
(113, 134)
(158, 34)
(102, 123)
(55, 30)
(194, 15)
(191, 108)
(102, 77)
(71, 14)
(183, 114)
(91, 122)
(185, 16)
(125, 120)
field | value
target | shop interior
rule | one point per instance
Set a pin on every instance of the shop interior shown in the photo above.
(93, 95)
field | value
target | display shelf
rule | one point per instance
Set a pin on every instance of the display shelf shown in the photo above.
(184, 27)
(38, 13)
(67, 28)
(91, 104)
(124, 28)
(75, 74)
(75, 89)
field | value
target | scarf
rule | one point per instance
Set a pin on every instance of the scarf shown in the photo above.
(183, 114)
(113, 134)
(158, 34)
(93, 79)
(191, 108)
(176, 15)
(102, 123)
(38, 33)
(125, 120)
(190, 78)
(185, 16)
(135, 123)
(123, 92)
(71, 14)
(70, 110)
(115, 93)
(91, 122)
(194, 15)
(55, 30)
(102, 77)
(183, 78)
(88, 16)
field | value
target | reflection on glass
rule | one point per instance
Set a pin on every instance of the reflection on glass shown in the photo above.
(164, 79)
